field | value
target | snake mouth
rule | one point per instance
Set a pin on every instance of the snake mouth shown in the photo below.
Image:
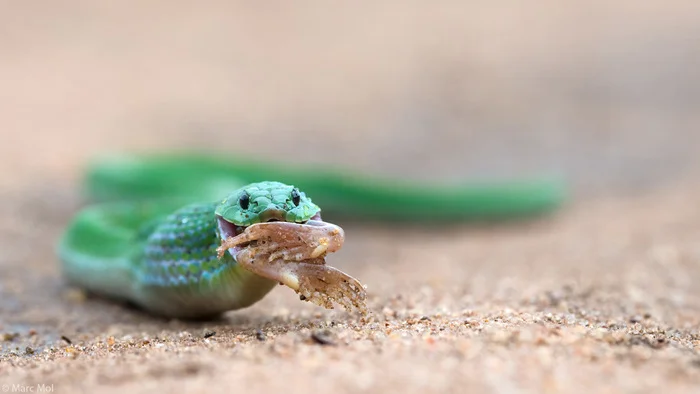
(306, 240)
(228, 229)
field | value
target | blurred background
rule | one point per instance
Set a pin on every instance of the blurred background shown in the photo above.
(604, 92)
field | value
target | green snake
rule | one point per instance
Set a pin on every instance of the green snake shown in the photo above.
(192, 236)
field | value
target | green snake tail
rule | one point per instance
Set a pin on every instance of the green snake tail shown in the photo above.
(204, 177)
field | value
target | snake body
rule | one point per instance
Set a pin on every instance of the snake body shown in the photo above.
(152, 234)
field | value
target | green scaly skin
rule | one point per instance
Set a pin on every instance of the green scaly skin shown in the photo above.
(153, 242)
(166, 260)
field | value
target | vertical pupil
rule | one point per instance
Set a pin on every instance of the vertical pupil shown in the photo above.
(244, 201)
(295, 197)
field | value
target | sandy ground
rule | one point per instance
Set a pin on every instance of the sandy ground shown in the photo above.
(600, 297)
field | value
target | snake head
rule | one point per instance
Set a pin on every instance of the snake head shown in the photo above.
(264, 202)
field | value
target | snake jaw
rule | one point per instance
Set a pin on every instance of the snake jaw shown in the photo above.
(315, 238)
(227, 229)
(321, 236)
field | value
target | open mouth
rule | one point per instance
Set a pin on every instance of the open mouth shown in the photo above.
(229, 230)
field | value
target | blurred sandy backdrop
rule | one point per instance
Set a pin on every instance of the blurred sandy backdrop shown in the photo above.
(601, 298)
(603, 91)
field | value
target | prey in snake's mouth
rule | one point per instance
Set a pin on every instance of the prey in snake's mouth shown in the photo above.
(293, 241)
(228, 229)
(293, 254)
(276, 232)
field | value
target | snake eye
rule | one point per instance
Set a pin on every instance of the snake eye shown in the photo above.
(296, 198)
(244, 200)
